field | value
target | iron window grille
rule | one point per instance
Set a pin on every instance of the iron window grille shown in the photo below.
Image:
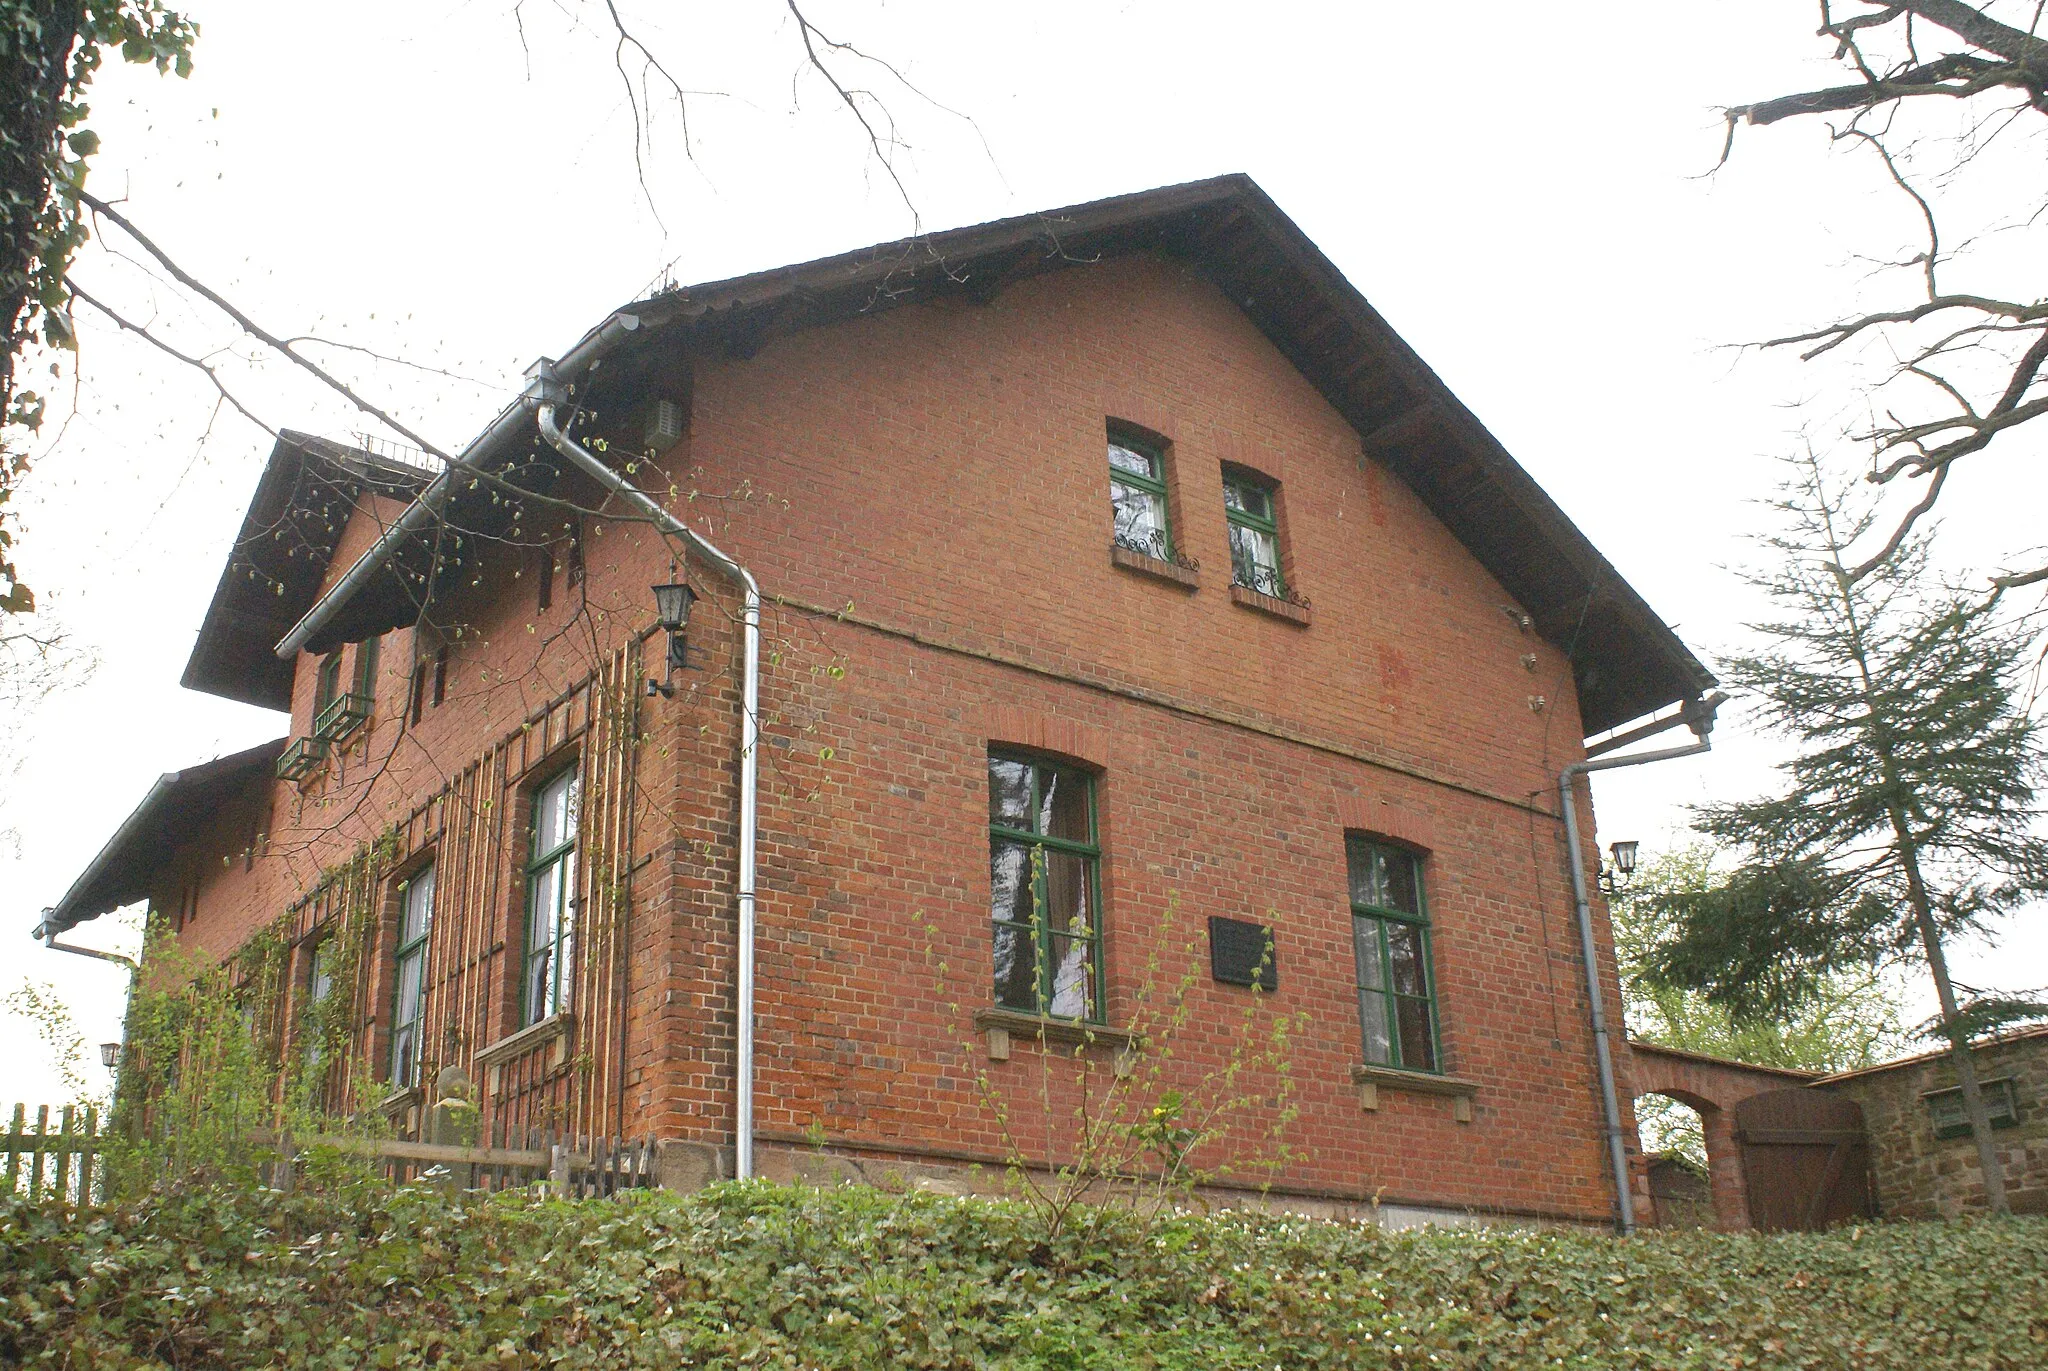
(409, 994)
(343, 715)
(1397, 1018)
(1137, 498)
(1045, 888)
(1945, 1107)
(1254, 536)
(300, 759)
(550, 961)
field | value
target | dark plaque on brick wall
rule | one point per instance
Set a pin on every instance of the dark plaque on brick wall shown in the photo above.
(1236, 950)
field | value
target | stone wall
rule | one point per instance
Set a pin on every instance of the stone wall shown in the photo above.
(1921, 1175)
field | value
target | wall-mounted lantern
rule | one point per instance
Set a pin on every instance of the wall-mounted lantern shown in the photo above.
(110, 1055)
(672, 611)
(1614, 880)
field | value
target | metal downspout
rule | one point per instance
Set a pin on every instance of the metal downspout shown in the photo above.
(1698, 715)
(544, 399)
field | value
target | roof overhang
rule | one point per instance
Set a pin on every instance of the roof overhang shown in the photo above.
(1627, 662)
(177, 808)
(274, 573)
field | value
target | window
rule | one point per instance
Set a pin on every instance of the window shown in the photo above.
(366, 667)
(1045, 888)
(550, 969)
(544, 580)
(1950, 1119)
(1390, 939)
(1254, 535)
(1137, 497)
(409, 1000)
(419, 690)
(319, 985)
(440, 675)
(327, 685)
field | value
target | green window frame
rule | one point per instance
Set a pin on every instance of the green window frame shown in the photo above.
(327, 684)
(366, 667)
(319, 985)
(1139, 521)
(1254, 535)
(1045, 888)
(1397, 1011)
(409, 975)
(549, 963)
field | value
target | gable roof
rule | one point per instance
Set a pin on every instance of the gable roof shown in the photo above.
(1628, 663)
(279, 561)
(177, 807)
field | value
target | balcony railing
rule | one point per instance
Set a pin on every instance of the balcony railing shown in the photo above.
(298, 761)
(344, 715)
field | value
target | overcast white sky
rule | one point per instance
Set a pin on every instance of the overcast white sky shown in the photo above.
(1520, 189)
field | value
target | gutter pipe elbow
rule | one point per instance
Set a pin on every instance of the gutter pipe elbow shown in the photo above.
(543, 396)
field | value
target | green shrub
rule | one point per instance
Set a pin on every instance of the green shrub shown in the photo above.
(756, 1275)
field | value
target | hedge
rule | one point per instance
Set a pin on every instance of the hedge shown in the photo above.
(756, 1275)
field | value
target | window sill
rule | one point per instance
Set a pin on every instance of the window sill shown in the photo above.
(1154, 566)
(1001, 1025)
(553, 1030)
(1270, 604)
(1370, 1080)
(395, 1105)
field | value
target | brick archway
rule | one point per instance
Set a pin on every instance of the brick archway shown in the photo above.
(1712, 1086)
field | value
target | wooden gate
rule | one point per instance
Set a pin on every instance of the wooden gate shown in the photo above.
(1805, 1159)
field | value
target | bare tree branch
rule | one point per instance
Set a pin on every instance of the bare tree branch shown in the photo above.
(252, 328)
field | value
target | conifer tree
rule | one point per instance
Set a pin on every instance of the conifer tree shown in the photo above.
(1909, 808)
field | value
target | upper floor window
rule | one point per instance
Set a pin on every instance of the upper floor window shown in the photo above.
(327, 685)
(1390, 940)
(366, 667)
(409, 1000)
(1045, 890)
(1254, 535)
(1137, 497)
(550, 966)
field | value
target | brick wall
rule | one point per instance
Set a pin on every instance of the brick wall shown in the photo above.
(923, 496)
(1919, 1175)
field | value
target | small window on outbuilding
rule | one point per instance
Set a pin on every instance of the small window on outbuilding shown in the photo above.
(1945, 1107)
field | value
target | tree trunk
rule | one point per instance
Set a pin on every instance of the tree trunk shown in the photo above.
(1958, 1040)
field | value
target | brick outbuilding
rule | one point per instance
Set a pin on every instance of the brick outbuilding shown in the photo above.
(1143, 623)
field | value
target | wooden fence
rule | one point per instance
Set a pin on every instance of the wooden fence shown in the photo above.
(65, 1165)
(68, 1163)
(578, 1168)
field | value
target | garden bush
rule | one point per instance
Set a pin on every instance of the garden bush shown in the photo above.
(755, 1275)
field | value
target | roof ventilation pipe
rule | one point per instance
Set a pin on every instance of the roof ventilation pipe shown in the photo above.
(1698, 715)
(545, 392)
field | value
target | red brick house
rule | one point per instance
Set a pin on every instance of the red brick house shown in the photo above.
(1116, 566)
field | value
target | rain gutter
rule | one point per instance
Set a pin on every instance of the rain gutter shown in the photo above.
(547, 391)
(1698, 715)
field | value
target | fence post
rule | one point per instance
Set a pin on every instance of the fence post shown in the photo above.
(14, 1141)
(35, 1162)
(85, 1161)
(61, 1177)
